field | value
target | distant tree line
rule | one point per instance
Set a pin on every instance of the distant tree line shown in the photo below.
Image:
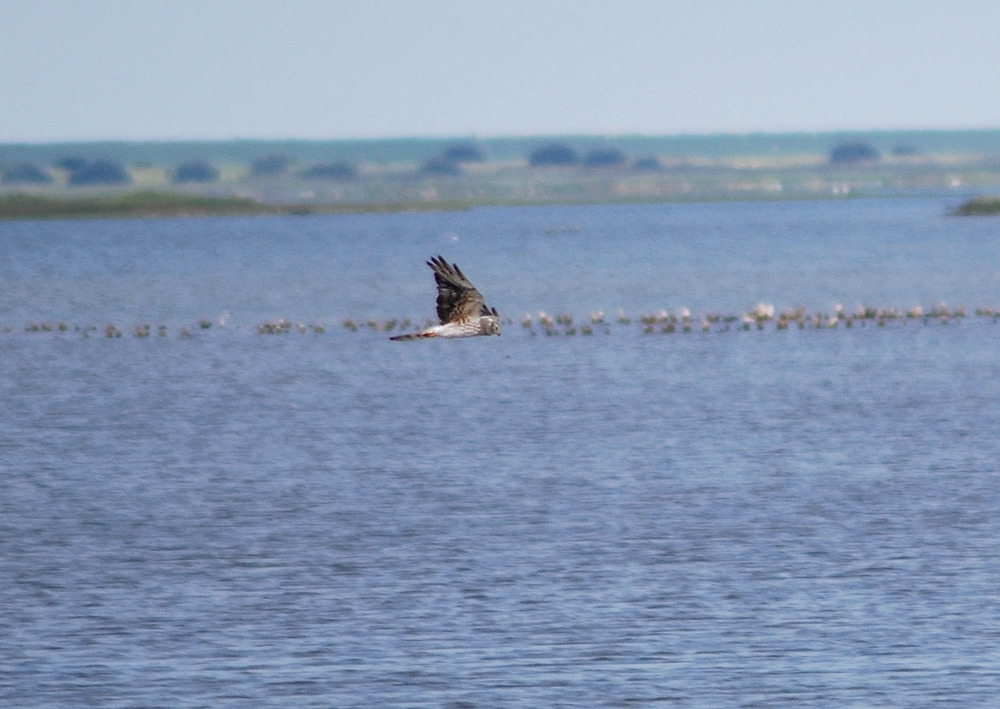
(451, 161)
(452, 158)
(861, 152)
(563, 155)
(330, 171)
(198, 171)
(554, 155)
(80, 172)
(25, 173)
(83, 172)
(854, 152)
(271, 166)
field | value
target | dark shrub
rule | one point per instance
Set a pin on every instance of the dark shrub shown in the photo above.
(553, 154)
(270, 166)
(25, 174)
(980, 207)
(196, 171)
(650, 162)
(464, 152)
(604, 157)
(71, 163)
(440, 166)
(99, 172)
(331, 171)
(854, 152)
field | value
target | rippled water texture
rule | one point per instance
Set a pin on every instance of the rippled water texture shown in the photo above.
(761, 518)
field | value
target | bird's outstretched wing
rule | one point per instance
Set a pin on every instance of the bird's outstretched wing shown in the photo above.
(458, 300)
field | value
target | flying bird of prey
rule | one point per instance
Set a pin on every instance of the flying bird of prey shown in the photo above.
(460, 307)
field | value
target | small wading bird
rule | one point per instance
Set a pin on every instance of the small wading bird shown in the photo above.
(460, 307)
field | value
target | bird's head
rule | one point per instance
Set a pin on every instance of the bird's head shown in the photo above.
(490, 323)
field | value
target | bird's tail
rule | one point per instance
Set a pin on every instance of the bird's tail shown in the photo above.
(412, 336)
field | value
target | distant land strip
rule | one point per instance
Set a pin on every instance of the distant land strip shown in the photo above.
(166, 204)
(979, 207)
(138, 204)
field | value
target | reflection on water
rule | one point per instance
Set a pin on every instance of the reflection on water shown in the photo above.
(775, 518)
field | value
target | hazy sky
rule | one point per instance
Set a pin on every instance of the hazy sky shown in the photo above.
(206, 69)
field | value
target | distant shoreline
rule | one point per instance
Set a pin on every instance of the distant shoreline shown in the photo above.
(979, 207)
(165, 204)
(228, 178)
(151, 205)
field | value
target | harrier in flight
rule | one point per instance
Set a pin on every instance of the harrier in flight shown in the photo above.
(460, 307)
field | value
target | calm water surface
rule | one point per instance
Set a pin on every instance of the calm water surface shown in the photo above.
(762, 518)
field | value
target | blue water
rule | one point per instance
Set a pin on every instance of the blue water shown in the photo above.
(744, 518)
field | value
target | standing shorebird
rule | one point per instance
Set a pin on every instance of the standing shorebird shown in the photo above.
(460, 307)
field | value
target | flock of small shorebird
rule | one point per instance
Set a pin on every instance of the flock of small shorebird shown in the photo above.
(462, 312)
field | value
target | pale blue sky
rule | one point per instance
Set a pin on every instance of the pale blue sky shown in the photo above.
(210, 69)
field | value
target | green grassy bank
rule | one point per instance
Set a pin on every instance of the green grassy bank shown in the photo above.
(980, 207)
(136, 204)
(163, 204)
(166, 204)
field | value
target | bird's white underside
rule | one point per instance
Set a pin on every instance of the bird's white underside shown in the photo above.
(470, 328)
